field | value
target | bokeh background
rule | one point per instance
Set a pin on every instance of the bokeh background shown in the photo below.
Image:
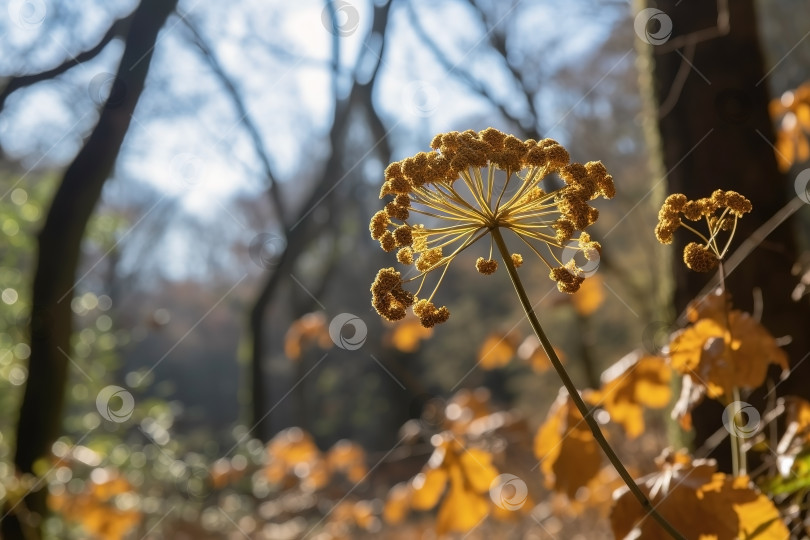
(230, 231)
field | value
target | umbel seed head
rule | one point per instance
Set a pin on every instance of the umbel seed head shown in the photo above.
(720, 212)
(444, 201)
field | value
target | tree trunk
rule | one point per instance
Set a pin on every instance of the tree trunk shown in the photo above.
(716, 134)
(60, 239)
(299, 234)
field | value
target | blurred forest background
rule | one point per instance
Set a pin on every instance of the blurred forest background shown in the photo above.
(218, 165)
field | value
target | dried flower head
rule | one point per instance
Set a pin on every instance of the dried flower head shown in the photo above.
(701, 257)
(470, 184)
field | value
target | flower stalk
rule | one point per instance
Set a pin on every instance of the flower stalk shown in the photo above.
(587, 413)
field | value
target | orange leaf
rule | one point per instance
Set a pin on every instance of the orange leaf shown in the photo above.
(720, 360)
(496, 351)
(633, 383)
(590, 296)
(465, 407)
(569, 455)
(293, 451)
(463, 475)
(700, 503)
(397, 504)
(310, 329)
(784, 150)
(710, 306)
(477, 467)
(532, 352)
(407, 335)
(348, 458)
(428, 487)
(462, 509)
(803, 115)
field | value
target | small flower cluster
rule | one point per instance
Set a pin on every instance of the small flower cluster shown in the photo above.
(470, 184)
(702, 256)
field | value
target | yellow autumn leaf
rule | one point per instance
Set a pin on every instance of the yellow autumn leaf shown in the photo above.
(408, 334)
(710, 306)
(477, 468)
(632, 384)
(397, 504)
(532, 352)
(293, 452)
(94, 508)
(310, 329)
(802, 147)
(496, 351)
(720, 360)
(791, 112)
(349, 458)
(463, 509)
(569, 455)
(363, 514)
(590, 296)
(784, 149)
(463, 476)
(700, 503)
(803, 115)
(428, 487)
(799, 412)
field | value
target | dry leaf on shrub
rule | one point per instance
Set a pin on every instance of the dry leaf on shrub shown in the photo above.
(569, 455)
(633, 383)
(699, 502)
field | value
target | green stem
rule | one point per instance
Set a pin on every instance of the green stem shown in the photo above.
(587, 414)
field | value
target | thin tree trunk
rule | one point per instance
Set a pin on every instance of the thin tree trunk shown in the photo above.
(60, 239)
(716, 134)
(299, 234)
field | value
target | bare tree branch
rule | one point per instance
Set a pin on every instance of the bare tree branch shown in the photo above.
(244, 117)
(471, 82)
(117, 29)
